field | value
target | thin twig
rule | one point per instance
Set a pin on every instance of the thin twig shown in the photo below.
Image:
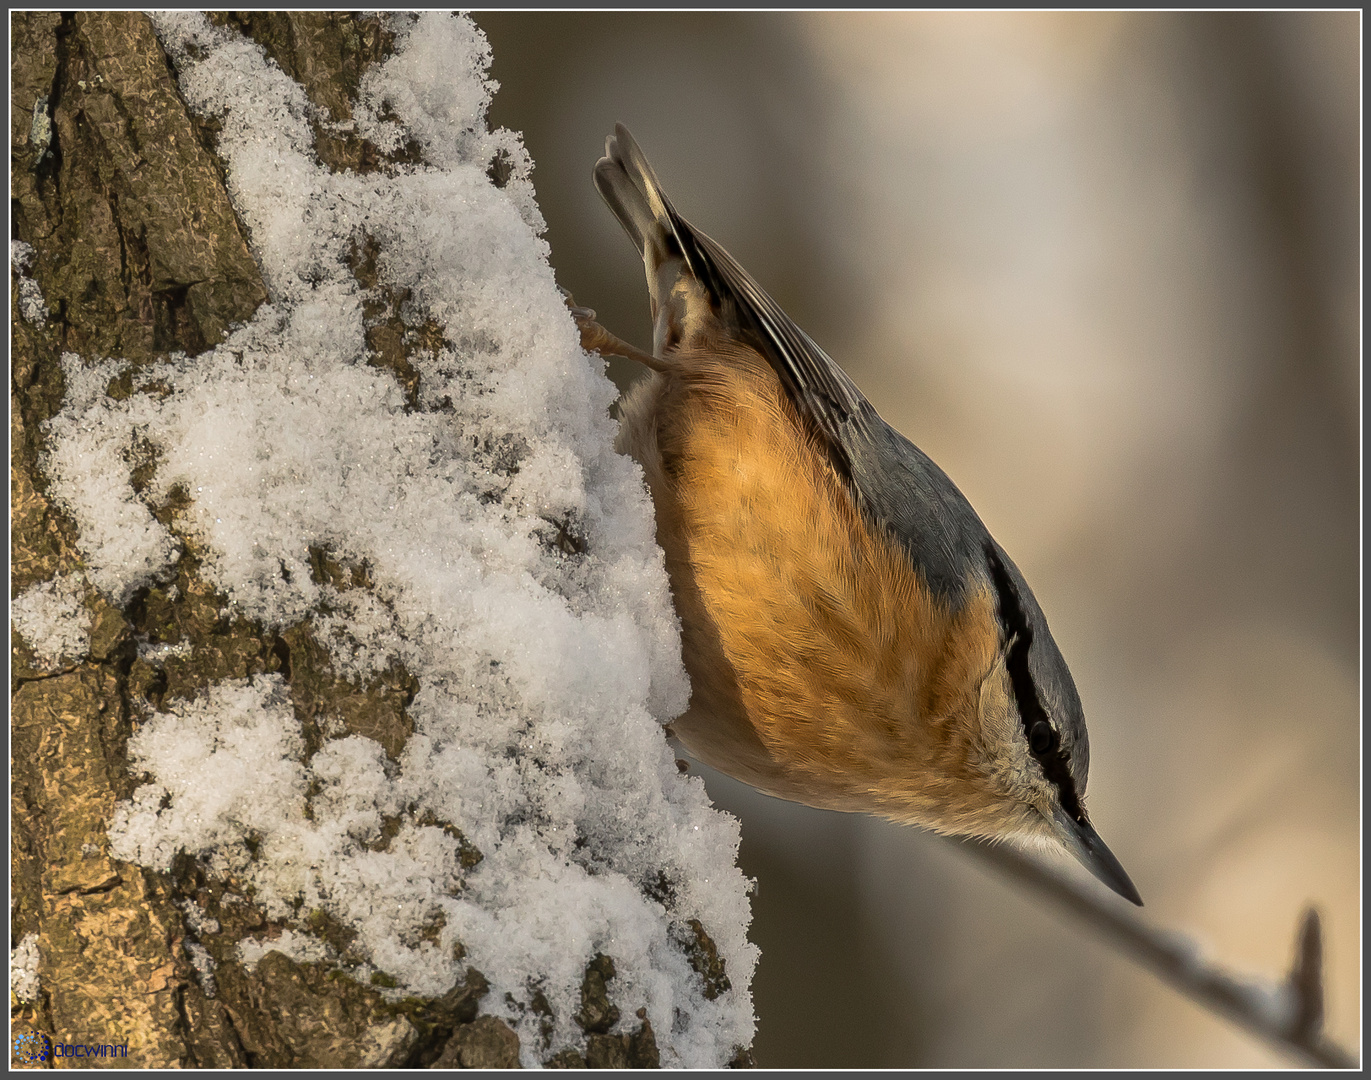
(1290, 1017)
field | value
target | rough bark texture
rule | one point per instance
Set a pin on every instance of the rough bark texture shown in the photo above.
(138, 254)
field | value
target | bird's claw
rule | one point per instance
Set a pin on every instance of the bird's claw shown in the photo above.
(595, 338)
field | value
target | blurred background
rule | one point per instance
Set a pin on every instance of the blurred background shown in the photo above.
(1104, 269)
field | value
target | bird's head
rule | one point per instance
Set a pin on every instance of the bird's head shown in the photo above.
(1033, 750)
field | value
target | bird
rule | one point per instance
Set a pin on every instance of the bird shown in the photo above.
(856, 640)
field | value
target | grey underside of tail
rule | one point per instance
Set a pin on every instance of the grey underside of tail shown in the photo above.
(624, 199)
(893, 480)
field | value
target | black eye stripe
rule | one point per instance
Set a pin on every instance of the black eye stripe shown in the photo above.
(1018, 636)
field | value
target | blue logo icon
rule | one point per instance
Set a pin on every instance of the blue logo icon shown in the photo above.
(32, 1048)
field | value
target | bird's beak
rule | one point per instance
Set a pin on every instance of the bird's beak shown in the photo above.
(1085, 843)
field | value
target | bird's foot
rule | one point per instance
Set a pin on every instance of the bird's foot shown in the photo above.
(595, 338)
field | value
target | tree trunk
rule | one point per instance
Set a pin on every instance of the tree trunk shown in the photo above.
(137, 254)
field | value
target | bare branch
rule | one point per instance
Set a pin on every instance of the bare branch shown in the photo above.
(1306, 979)
(1289, 1016)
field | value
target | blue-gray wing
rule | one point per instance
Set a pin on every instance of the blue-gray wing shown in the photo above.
(892, 479)
(819, 387)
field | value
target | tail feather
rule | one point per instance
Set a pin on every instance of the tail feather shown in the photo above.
(669, 244)
(624, 200)
(632, 191)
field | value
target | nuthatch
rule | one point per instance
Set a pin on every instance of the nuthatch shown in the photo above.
(855, 637)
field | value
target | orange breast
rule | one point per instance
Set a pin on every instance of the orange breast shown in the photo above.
(822, 668)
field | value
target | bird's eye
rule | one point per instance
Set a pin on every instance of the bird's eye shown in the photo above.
(1041, 738)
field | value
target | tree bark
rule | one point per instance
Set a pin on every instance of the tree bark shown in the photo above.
(138, 254)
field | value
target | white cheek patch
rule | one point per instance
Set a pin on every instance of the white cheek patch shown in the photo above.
(1005, 758)
(1037, 836)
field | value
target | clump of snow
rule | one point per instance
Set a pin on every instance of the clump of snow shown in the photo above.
(24, 969)
(158, 653)
(204, 966)
(52, 619)
(544, 666)
(300, 947)
(91, 444)
(198, 920)
(31, 304)
(229, 763)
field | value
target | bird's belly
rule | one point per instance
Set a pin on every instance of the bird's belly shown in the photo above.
(800, 626)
